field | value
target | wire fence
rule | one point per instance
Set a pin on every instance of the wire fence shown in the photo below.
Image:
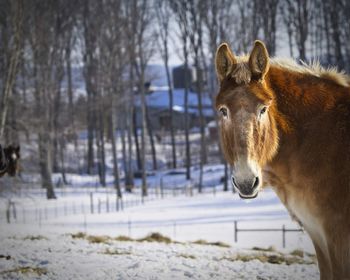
(102, 200)
(107, 201)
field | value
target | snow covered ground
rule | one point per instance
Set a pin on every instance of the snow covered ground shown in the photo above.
(38, 244)
(57, 256)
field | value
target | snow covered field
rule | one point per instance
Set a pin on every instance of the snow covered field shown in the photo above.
(39, 245)
(57, 256)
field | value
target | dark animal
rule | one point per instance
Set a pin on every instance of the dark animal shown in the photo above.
(9, 160)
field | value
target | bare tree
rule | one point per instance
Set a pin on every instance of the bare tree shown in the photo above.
(301, 15)
(144, 37)
(13, 48)
(196, 40)
(163, 13)
(179, 8)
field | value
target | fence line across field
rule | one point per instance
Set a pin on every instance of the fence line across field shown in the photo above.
(284, 230)
(96, 204)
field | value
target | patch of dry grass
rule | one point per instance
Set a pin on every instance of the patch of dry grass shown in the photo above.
(26, 270)
(187, 256)
(152, 237)
(115, 252)
(92, 238)
(204, 242)
(35, 237)
(273, 258)
(156, 237)
(298, 253)
(268, 249)
(78, 235)
(123, 238)
(98, 239)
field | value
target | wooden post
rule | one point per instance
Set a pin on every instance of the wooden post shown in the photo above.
(174, 230)
(56, 211)
(85, 223)
(191, 188)
(91, 203)
(284, 236)
(8, 215)
(40, 218)
(235, 230)
(161, 188)
(24, 215)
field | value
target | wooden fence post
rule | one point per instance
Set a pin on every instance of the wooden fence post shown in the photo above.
(284, 236)
(91, 203)
(129, 228)
(8, 215)
(161, 188)
(236, 230)
(174, 230)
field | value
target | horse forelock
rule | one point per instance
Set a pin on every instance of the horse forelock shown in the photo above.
(241, 73)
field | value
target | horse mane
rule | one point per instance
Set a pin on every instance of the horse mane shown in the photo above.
(314, 68)
(242, 74)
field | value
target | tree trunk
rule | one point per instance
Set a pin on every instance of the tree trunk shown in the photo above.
(45, 163)
(114, 150)
(171, 114)
(143, 134)
(101, 149)
(334, 16)
(136, 139)
(151, 138)
(62, 158)
(129, 175)
(11, 71)
(187, 121)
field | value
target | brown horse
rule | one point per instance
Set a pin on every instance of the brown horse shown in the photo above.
(288, 126)
(9, 160)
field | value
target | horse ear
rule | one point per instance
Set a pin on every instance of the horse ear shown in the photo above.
(259, 60)
(224, 61)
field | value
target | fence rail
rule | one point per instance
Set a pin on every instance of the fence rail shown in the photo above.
(284, 230)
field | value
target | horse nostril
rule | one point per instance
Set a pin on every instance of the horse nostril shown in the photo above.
(256, 183)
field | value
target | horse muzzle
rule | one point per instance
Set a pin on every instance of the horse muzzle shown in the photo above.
(247, 189)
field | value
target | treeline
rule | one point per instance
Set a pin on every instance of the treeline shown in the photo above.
(114, 41)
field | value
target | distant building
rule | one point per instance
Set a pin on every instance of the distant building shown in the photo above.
(179, 77)
(159, 114)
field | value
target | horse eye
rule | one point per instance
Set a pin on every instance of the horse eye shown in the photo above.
(223, 111)
(263, 110)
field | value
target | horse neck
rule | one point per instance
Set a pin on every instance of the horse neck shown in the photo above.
(301, 97)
